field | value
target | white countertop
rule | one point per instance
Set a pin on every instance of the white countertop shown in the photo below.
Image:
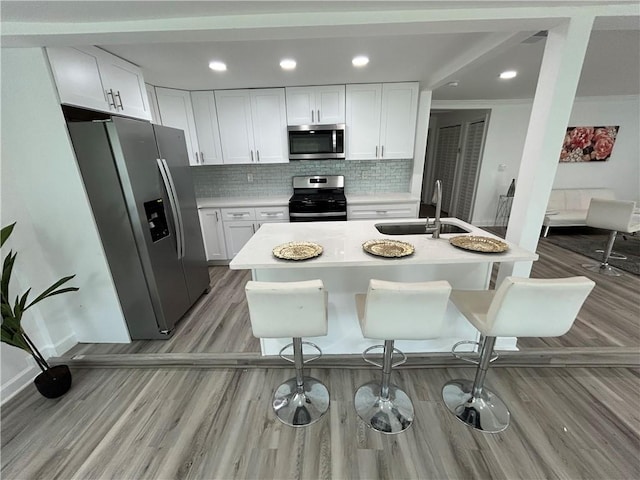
(342, 246)
(381, 198)
(225, 202)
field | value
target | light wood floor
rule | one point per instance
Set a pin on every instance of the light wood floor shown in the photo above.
(217, 424)
(219, 322)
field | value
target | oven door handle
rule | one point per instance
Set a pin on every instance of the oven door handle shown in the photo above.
(319, 214)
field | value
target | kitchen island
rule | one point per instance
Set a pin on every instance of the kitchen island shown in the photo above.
(345, 268)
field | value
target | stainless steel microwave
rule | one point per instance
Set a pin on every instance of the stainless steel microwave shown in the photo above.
(316, 142)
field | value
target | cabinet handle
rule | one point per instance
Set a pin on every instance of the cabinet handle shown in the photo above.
(258, 155)
(252, 155)
(312, 116)
(202, 158)
(119, 98)
(382, 151)
(197, 161)
(381, 212)
(111, 103)
(318, 115)
(376, 151)
(253, 227)
(217, 219)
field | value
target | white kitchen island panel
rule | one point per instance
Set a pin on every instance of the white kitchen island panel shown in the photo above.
(346, 270)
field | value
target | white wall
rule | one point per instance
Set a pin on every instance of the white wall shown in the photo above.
(508, 125)
(55, 233)
(622, 171)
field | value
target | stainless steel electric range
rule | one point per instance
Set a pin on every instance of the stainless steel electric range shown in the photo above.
(318, 198)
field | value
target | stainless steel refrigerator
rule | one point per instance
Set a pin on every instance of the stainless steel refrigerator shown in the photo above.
(138, 182)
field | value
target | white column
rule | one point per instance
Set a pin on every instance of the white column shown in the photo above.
(557, 83)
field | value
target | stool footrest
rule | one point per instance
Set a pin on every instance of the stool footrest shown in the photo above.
(291, 360)
(467, 358)
(379, 365)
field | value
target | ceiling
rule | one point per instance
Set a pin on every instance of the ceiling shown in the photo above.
(430, 41)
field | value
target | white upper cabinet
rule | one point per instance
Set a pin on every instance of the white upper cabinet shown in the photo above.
(208, 133)
(176, 111)
(253, 125)
(364, 103)
(398, 119)
(92, 78)
(381, 120)
(315, 105)
(153, 104)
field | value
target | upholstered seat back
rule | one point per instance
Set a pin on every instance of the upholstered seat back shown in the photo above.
(612, 215)
(404, 311)
(536, 307)
(287, 309)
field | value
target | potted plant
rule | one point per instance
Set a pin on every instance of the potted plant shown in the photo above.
(53, 381)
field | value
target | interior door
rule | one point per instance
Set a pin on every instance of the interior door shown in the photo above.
(447, 150)
(468, 170)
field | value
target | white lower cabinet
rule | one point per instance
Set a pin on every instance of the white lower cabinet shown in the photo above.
(213, 233)
(382, 211)
(240, 223)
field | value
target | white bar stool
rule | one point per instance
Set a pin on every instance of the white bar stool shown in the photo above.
(396, 311)
(614, 215)
(520, 307)
(292, 309)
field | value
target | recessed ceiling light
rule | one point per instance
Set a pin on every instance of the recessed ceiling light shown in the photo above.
(453, 84)
(360, 61)
(508, 74)
(218, 66)
(288, 64)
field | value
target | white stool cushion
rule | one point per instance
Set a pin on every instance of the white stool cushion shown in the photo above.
(525, 307)
(287, 309)
(403, 311)
(615, 215)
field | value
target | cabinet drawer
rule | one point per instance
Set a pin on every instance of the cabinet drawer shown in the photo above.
(380, 211)
(272, 214)
(233, 214)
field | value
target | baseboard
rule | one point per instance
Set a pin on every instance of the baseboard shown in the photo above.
(60, 348)
(18, 383)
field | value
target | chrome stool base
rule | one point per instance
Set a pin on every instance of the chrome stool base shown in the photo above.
(300, 409)
(487, 413)
(603, 269)
(393, 415)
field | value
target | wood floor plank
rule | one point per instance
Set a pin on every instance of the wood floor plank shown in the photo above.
(218, 424)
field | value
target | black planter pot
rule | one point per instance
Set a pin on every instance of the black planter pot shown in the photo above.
(54, 382)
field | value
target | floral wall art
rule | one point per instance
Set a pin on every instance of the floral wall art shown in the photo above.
(588, 144)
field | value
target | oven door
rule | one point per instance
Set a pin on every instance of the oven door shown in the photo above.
(316, 142)
(317, 217)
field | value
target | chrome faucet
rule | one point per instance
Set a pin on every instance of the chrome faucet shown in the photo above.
(437, 197)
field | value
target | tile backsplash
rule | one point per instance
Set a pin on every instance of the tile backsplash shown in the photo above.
(361, 177)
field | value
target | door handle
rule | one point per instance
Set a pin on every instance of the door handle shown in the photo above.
(170, 187)
(120, 98)
(111, 103)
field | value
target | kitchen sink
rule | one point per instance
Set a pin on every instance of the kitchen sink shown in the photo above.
(417, 228)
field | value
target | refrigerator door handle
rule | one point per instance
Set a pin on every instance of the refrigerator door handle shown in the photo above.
(173, 201)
